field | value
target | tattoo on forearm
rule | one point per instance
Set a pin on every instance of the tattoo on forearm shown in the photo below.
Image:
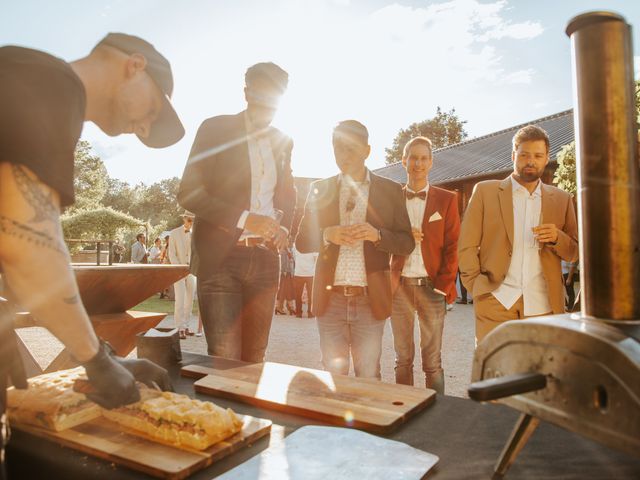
(24, 232)
(71, 300)
(41, 202)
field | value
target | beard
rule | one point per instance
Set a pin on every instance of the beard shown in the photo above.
(529, 176)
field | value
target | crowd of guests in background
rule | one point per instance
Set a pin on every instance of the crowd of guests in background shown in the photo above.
(367, 248)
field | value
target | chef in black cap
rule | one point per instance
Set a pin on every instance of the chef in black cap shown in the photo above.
(123, 86)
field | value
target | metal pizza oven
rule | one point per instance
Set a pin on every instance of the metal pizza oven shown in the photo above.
(581, 371)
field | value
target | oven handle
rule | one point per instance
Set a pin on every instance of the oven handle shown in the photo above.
(500, 387)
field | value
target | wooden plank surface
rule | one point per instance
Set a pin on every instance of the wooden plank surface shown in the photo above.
(110, 441)
(361, 403)
(116, 288)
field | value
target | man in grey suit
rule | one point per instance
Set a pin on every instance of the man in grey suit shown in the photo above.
(139, 250)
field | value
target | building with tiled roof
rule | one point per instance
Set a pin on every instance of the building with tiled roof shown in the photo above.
(459, 167)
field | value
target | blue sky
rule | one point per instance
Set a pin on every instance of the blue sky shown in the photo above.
(388, 64)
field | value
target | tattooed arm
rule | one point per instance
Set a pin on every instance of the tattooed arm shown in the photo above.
(35, 260)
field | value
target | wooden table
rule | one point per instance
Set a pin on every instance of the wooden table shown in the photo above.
(108, 292)
(467, 436)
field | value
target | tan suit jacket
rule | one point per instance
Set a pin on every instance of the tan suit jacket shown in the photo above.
(486, 238)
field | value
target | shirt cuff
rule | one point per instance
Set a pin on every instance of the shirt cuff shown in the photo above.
(242, 220)
(324, 238)
(439, 291)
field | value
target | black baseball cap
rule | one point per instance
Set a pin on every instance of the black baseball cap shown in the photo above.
(167, 129)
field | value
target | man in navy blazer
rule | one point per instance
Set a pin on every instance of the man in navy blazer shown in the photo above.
(237, 182)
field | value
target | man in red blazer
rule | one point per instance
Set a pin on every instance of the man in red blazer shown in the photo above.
(424, 282)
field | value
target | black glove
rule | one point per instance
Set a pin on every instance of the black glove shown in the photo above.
(147, 372)
(113, 385)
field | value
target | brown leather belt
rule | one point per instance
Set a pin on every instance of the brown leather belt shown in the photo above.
(349, 291)
(250, 242)
(418, 282)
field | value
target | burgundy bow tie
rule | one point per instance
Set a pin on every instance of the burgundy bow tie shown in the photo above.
(421, 195)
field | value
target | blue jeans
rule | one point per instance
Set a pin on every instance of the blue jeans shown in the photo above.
(348, 327)
(237, 302)
(430, 306)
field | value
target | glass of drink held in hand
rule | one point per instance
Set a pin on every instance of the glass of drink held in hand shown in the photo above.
(277, 216)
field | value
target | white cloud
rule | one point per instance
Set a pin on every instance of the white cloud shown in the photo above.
(520, 77)
(636, 63)
(387, 67)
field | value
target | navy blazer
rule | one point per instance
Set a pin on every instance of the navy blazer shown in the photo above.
(216, 186)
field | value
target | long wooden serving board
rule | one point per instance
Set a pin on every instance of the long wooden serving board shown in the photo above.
(337, 399)
(110, 441)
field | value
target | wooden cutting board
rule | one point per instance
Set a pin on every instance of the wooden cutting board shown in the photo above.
(107, 440)
(341, 400)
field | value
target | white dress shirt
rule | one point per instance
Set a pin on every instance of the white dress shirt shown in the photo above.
(305, 264)
(263, 176)
(180, 246)
(350, 268)
(414, 263)
(138, 251)
(525, 276)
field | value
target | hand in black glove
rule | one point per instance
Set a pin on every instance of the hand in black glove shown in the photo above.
(147, 372)
(113, 384)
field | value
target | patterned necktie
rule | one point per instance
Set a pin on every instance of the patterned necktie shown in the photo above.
(421, 195)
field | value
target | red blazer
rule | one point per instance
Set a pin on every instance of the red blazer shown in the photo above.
(439, 245)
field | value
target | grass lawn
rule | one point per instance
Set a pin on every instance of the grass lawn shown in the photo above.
(160, 305)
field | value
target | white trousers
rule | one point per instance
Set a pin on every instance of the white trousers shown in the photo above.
(184, 290)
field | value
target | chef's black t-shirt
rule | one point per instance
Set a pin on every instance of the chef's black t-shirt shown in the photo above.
(42, 106)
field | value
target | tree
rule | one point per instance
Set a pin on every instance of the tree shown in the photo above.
(100, 223)
(120, 196)
(443, 129)
(90, 178)
(565, 175)
(158, 203)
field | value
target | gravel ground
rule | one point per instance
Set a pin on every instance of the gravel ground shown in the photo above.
(295, 341)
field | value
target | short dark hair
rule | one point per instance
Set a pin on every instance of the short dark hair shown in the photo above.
(353, 129)
(140, 235)
(530, 133)
(267, 72)
(416, 141)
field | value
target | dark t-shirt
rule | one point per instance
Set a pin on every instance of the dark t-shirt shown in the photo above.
(42, 106)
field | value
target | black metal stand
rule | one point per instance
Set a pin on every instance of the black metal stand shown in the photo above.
(525, 426)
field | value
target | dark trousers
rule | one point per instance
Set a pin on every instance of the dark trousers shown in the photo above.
(237, 301)
(298, 285)
(463, 291)
(571, 294)
(285, 291)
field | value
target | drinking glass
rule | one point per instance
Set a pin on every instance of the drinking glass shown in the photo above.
(277, 215)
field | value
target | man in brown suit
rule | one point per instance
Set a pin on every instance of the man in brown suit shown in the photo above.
(355, 220)
(514, 233)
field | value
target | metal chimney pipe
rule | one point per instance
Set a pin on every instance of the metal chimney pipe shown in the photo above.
(608, 173)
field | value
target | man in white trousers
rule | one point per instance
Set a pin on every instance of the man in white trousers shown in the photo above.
(180, 253)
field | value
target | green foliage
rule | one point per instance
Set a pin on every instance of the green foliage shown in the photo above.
(565, 175)
(90, 178)
(156, 203)
(100, 223)
(443, 129)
